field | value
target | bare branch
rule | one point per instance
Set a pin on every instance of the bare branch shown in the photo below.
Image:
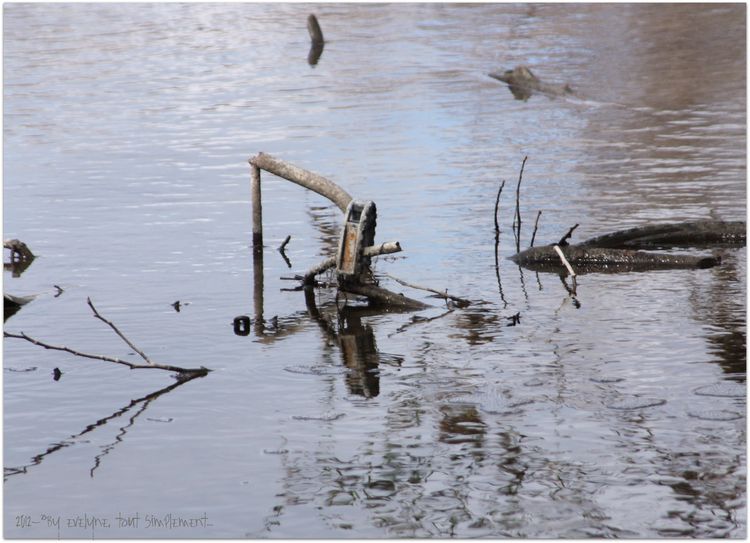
(460, 302)
(497, 205)
(386, 248)
(564, 240)
(536, 225)
(564, 260)
(517, 219)
(191, 372)
(122, 336)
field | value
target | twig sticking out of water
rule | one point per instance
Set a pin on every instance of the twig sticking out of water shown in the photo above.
(185, 372)
(536, 225)
(517, 219)
(282, 248)
(497, 205)
(564, 260)
(386, 248)
(460, 302)
(564, 240)
(316, 34)
(117, 331)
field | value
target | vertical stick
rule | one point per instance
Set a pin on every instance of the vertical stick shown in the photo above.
(536, 225)
(257, 209)
(257, 248)
(517, 220)
(497, 205)
(258, 290)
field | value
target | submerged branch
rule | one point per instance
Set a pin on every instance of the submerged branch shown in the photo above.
(386, 248)
(460, 302)
(536, 225)
(117, 331)
(517, 219)
(497, 205)
(184, 372)
(564, 240)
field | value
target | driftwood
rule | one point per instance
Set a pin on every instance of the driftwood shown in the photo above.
(460, 302)
(597, 259)
(523, 83)
(18, 250)
(382, 297)
(386, 248)
(683, 234)
(21, 257)
(304, 178)
(184, 372)
(517, 218)
(316, 34)
(359, 281)
(11, 304)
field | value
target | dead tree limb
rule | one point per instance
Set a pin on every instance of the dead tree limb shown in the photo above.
(564, 240)
(517, 219)
(117, 331)
(185, 372)
(381, 296)
(316, 34)
(497, 205)
(564, 260)
(304, 178)
(18, 250)
(536, 225)
(388, 247)
(460, 302)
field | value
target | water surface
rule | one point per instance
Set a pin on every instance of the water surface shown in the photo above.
(619, 411)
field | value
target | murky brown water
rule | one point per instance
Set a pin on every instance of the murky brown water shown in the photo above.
(620, 412)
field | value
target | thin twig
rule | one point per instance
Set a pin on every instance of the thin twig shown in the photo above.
(122, 336)
(132, 366)
(388, 247)
(460, 302)
(150, 365)
(497, 205)
(564, 240)
(517, 219)
(283, 245)
(497, 269)
(536, 225)
(564, 260)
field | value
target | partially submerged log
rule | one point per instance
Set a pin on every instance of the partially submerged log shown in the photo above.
(523, 83)
(381, 297)
(21, 256)
(682, 234)
(11, 304)
(18, 250)
(598, 259)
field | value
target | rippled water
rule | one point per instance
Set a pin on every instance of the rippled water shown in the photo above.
(619, 411)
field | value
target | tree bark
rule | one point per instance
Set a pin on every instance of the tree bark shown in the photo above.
(304, 178)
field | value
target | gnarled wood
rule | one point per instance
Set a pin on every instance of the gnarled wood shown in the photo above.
(304, 178)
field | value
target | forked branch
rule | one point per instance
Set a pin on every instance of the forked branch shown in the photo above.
(185, 372)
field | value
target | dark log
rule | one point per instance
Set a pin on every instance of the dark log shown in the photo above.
(683, 234)
(382, 297)
(18, 250)
(596, 259)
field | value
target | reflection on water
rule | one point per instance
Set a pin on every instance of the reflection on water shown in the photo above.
(141, 403)
(612, 406)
